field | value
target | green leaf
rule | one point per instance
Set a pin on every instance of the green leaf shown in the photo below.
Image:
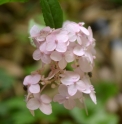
(53, 15)
(8, 1)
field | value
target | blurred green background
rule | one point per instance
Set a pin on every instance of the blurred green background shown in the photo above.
(105, 18)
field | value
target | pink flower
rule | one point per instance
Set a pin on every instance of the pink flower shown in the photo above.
(75, 31)
(68, 77)
(71, 27)
(72, 45)
(90, 37)
(89, 53)
(87, 88)
(83, 29)
(42, 102)
(78, 50)
(57, 41)
(71, 80)
(42, 54)
(34, 31)
(44, 33)
(62, 58)
(32, 82)
(85, 64)
(79, 71)
(39, 35)
(64, 98)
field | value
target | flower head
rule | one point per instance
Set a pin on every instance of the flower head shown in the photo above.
(69, 54)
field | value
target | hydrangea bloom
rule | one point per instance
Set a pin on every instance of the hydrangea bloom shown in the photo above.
(62, 58)
(42, 102)
(64, 98)
(42, 54)
(57, 41)
(38, 35)
(70, 46)
(31, 81)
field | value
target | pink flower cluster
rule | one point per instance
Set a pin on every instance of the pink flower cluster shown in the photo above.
(72, 45)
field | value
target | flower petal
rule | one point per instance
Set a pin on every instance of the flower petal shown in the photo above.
(72, 76)
(79, 40)
(43, 47)
(31, 79)
(93, 97)
(62, 64)
(72, 89)
(37, 54)
(79, 71)
(36, 95)
(78, 95)
(33, 104)
(90, 37)
(59, 98)
(45, 98)
(61, 47)
(34, 78)
(66, 82)
(63, 90)
(72, 37)
(46, 108)
(72, 27)
(56, 56)
(78, 50)
(85, 65)
(69, 56)
(46, 59)
(26, 80)
(69, 104)
(34, 31)
(50, 46)
(83, 87)
(62, 37)
(34, 88)
(69, 77)
(84, 30)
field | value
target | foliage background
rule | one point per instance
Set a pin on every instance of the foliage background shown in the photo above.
(16, 61)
